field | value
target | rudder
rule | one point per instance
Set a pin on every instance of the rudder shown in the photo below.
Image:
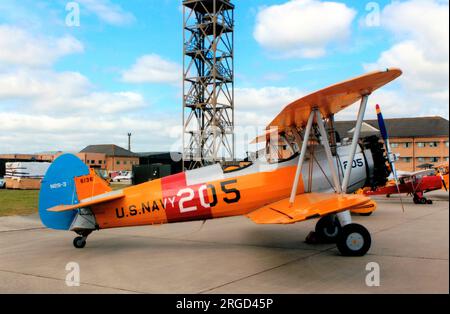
(58, 188)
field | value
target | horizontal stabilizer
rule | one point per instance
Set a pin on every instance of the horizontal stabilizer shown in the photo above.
(99, 199)
(306, 206)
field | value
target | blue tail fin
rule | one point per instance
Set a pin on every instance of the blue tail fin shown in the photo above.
(58, 188)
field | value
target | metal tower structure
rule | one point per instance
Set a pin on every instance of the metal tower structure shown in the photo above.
(208, 82)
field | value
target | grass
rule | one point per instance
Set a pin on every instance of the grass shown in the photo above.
(23, 203)
(17, 202)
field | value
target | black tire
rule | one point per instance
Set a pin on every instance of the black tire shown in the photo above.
(354, 240)
(429, 202)
(328, 229)
(416, 200)
(423, 201)
(366, 214)
(79, 242)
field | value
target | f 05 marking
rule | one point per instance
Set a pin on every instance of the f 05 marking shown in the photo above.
(358, 163)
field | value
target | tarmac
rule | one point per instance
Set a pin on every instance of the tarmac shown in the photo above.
(233, 255)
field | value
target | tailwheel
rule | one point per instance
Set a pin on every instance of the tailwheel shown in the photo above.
(328, 229)
(354, 240)
(79, 242)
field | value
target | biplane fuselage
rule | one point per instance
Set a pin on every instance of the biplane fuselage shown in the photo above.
(210, 192)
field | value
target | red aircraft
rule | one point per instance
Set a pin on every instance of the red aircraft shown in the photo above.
(415, 184)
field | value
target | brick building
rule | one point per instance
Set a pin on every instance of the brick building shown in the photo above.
(418, 141)
(110, 157)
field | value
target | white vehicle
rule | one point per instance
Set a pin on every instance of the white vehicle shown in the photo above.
(123, 178)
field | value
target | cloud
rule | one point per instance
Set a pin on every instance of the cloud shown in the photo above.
(421, 73)
(47, 111)
(423, 21)
(31, 132)
(108, 12)
(62, 93)
(42, 109)
(265, 98)
(153, 69)
(303, 28)
(421, 50)
(19, 47)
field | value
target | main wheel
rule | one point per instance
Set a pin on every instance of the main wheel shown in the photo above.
(328, 229)
(79, 242)
(366, 214)
(423, 201)
(354, 240)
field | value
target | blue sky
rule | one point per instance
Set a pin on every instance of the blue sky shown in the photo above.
(87, 64)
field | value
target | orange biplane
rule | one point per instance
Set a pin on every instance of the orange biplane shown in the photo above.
(316, 181)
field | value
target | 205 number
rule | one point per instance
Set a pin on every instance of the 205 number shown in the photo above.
(188, 194)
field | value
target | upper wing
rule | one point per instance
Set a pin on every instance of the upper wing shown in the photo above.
(332, 99)
(306, 206)
(103, 198)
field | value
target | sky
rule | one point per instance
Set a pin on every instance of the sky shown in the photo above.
(76, 73)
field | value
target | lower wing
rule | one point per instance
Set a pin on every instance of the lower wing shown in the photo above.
(307, 206)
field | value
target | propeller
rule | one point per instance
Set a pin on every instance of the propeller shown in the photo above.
(390, 156)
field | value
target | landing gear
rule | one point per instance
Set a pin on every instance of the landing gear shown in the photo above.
(79, 242)
(419, 199)
(366, 214)
(328, 229)
(354, 240)
(351, 239)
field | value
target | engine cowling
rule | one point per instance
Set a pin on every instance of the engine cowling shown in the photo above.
(378, 175)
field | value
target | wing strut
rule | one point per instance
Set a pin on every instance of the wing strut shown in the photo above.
(302, 158)
(359, 122)
(326, 145)
(345, 218)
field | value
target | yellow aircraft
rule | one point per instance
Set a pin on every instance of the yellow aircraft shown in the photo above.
(316, 181)
(442, 171)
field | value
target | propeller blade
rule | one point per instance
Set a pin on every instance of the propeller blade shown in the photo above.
(385, 135)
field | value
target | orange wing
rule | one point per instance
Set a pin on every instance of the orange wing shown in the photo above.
(306, 206)
(333, 99)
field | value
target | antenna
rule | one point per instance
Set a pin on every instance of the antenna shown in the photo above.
(129, 141)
